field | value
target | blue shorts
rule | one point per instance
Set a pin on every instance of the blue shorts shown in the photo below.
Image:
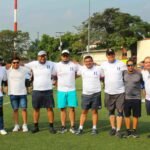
(67, 99)
(18, 101)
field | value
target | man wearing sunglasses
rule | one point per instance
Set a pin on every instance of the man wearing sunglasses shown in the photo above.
(114, 90)
(18, 93)
(42, 95)
(133, 80)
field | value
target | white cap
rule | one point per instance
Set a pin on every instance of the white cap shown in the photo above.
(40, 53)
(65, 52)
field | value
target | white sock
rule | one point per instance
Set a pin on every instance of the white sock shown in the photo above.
(94, 127)
(81, 127)
(118, 129)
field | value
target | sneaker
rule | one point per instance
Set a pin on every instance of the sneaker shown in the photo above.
(119, 134)
(63, 130)
(134, 134)
(24, 128)
(16, 128)
(127, 134)
(52, 130)
(72, 130)
(3, 132)
(94, 132)
(79, 132)
(35, 130)
(112, 132)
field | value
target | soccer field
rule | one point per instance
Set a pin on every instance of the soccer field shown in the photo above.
(43, 140)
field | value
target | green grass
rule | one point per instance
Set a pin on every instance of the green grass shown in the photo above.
(44, 140)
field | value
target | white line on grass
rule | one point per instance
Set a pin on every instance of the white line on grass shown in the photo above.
(6, 103)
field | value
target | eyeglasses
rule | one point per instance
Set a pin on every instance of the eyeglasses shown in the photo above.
(130, 65)
(16, 62)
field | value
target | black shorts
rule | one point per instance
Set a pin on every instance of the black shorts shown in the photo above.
(147, 102)
(91, 101)
(42, 99)
(115, 101)
(132, 106)
(27, 83)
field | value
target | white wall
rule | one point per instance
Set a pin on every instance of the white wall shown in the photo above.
(143, 50)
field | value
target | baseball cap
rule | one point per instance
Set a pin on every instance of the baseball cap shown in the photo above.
(65, 52)
(110, 52)
(40, 53)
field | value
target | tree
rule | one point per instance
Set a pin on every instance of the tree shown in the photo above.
(7, 39)
(116, 29)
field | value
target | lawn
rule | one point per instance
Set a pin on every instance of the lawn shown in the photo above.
(44, 140)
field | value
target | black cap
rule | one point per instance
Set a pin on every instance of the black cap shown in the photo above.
(110, 52)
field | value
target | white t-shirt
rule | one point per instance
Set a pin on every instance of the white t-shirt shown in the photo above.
(113, 73)
(3, 77)
(90, 79)
(146, 79)
(42, 74)
(66, 76)
(16, 81)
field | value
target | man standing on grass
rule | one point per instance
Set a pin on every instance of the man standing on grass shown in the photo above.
(42, 95)
(133, 80)
(18, 93)
(146, 78)
(2, 78)
(114, 90)
(66, 94)
(91, 93)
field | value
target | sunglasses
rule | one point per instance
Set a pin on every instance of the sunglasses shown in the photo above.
(16, 62)
(130, 65)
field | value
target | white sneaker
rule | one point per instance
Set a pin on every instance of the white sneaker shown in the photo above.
(24, 128)
(3, 132)
(16, 128)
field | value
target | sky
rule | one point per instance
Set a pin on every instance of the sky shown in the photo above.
(51, 16)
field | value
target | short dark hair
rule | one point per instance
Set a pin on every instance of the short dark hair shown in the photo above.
(130, 60)
(15, 58)
(88, 57)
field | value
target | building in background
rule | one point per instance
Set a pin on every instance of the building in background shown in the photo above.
(143, 49)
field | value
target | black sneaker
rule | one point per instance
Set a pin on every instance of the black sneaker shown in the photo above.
(148, 136)
(94, 132)
(73, 129)
(79, 132)
(52, 130)
(112, 132)
(35, 130)
(135, 134)
(127, 134)
(63, 130)
(119, 134)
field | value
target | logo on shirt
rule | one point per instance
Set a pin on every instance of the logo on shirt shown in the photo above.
(95, 73)
(71, 69)
(118, 68)
(48, 66)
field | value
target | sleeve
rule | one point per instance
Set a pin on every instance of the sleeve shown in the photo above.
(123, 66)
(101, 71)
(54, 68)
(79, 71)
(4, 75)
(29, 65)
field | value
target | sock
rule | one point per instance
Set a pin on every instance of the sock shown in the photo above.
(114, 128)
(118, 129)
(94, 127)
(81, 127)
(36, 124)
(51, 125)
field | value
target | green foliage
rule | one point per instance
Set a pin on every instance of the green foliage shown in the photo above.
(116, 29)
(7, 39)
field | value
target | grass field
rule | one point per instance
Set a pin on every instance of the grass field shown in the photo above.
(45, 141)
